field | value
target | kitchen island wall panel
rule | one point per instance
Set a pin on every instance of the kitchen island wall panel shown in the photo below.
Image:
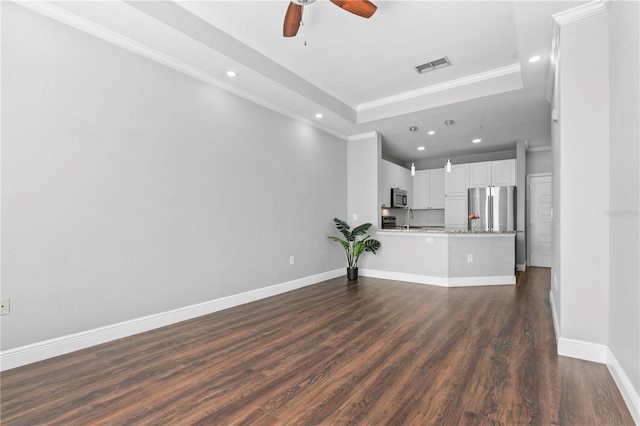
(441, 257)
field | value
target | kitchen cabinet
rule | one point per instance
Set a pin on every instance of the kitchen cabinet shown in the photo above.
(436, 188)
(428, 189)
(492, 173)
(455, 212)
(393, 176)
(456, 182)
(480, 174)
(503, 173)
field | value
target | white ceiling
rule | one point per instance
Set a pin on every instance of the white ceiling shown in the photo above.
(358, 72)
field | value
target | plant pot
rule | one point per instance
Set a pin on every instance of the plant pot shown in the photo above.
(352, 274)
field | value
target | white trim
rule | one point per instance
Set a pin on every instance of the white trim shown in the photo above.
(464, 81)
(439, 281)
(554, 315)
(582, 350)
(629, 394)
(580, 12)
(539, 148)
(521, 267)
(62, 345)
(359, 136)
(82, 24)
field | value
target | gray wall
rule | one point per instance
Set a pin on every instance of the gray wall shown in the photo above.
(539, 162)
(596, 185)
(624, 321)
(584, 170)
(129, 189)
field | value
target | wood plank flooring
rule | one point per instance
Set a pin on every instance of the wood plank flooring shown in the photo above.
(373, 353)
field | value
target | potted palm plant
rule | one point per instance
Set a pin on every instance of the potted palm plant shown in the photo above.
(354, 246)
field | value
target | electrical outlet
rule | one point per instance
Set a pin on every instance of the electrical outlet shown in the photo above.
(292, 260)
(5, 307)
(469, 258)
(355, 217)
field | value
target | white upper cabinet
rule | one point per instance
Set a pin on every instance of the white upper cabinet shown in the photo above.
(503, 173)
(492, 173)
(421, 183)
(456, 182)
(480, 174)
(393, 176)
(428, 189)
(436, 188)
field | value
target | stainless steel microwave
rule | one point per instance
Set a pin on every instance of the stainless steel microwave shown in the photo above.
(398, 198)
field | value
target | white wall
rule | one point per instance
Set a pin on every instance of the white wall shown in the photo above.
(624, 223)
(129, 189)
(584, 180)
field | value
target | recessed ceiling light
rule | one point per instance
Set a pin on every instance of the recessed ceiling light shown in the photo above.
(231, 74)
(534, 59)
(432, 132)
(477, 140)
(413, 128)
(318, 115)
(421, 148)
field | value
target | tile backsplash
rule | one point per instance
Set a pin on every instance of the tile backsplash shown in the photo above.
(430, 217)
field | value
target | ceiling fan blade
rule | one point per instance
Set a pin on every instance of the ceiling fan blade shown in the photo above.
(292, 20)
(362, 8)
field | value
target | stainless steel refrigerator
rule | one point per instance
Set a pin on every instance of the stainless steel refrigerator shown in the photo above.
(495, 208)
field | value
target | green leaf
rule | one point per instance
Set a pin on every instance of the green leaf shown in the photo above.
(361, 230)
(343, 227)
(371, 245)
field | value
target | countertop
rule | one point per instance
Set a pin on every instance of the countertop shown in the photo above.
(440, 230)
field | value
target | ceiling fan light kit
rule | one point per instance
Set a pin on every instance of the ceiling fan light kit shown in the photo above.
(293, 16)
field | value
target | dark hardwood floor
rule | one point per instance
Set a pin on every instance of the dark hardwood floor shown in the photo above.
(373, 353)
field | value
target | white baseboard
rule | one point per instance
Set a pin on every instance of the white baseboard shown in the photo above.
(603, 355)
(62, 345)
(521, 267)
(439, 281)
(582, 350)
(554, 315)
(629, 394)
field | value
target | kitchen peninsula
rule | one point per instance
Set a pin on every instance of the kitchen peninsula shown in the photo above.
(443, 257)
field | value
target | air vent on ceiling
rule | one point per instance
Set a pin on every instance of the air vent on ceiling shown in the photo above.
(432, 65)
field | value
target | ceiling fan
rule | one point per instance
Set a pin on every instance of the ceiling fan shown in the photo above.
(293, 17)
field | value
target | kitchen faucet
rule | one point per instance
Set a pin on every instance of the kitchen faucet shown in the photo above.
(409, 215)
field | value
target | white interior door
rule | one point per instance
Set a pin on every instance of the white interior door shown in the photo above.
(540, 220)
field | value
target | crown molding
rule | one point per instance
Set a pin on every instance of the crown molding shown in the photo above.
(54, 12)
(464, 81)
(562, 18)
(580, 12)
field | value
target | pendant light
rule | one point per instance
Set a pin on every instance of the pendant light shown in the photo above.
(449, 123)
(413, 166)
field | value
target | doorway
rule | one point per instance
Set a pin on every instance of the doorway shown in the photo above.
(540, 216)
